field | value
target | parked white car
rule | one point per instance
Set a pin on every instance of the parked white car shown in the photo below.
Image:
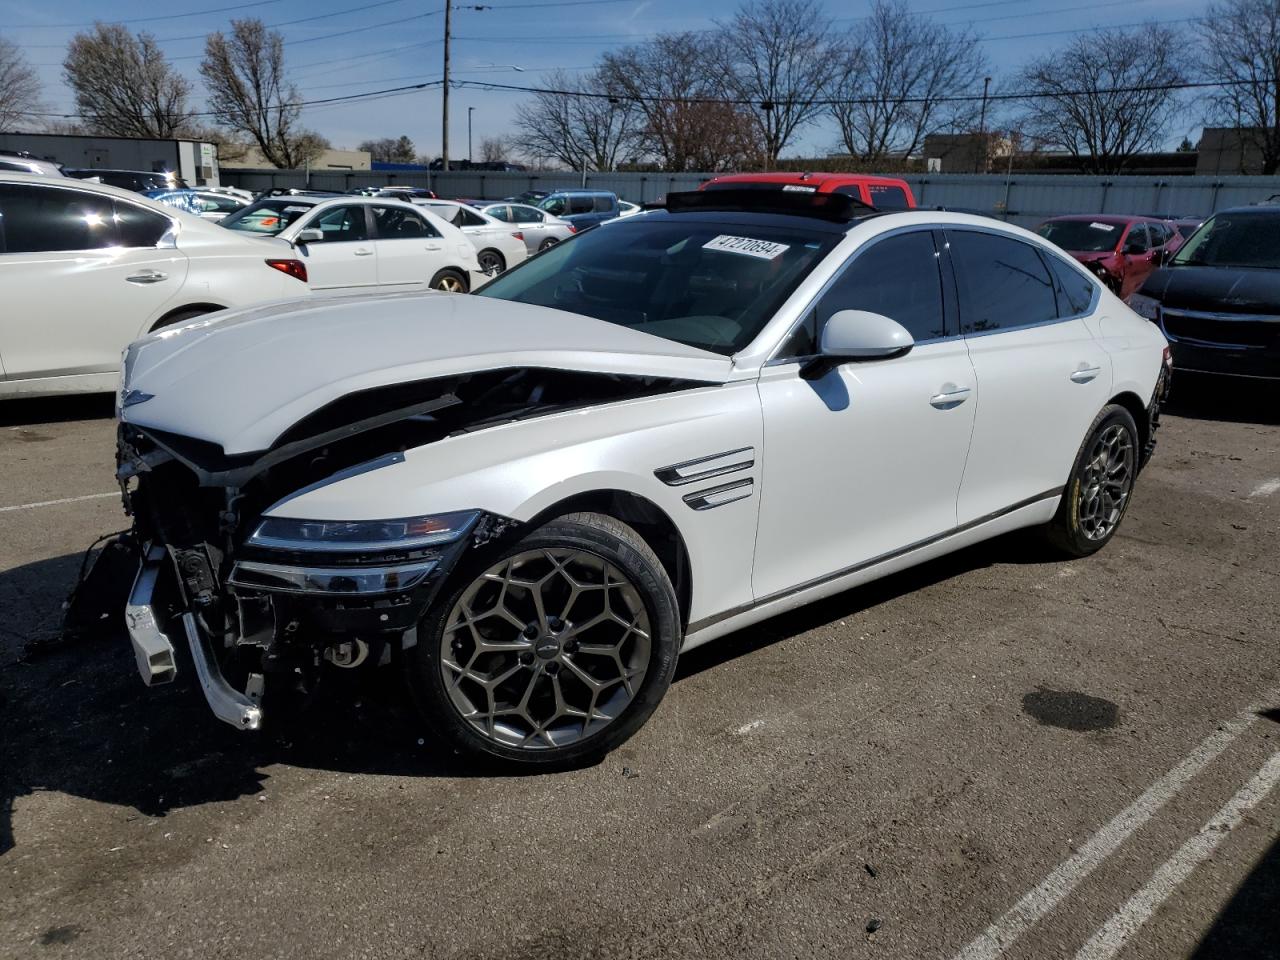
(671, 428)
(205, 204)
(539, 228)
(352, 243)
(628, 209)
(22, 162)
(86, 268)
(498, 246)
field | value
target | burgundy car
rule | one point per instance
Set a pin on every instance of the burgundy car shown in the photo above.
(1122, 251)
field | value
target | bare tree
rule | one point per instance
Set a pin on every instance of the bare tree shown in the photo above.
(1105, 97)
(249, 93)
(1241, 50)
(683, 120)
(894, 77)
(19, 86)
(775, 55)
(123, 84)
(390, 149)
(494, 150)
(568, 125)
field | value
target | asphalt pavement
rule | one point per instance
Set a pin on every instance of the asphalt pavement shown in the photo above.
(993, 755)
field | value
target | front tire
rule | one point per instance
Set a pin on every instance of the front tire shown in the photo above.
(1100, 487)
(551, 651)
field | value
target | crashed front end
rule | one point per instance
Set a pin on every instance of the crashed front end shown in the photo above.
(253, 595)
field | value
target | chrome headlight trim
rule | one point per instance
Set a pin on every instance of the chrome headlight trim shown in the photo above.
(361, 536)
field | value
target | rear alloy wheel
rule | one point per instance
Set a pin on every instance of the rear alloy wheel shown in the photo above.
(552, 652)
(547, 244)
(491, 262)
(1100, 487)
(449, 281)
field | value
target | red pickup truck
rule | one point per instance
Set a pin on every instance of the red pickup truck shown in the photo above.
(883, 193)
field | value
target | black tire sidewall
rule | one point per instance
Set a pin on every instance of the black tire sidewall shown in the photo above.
(448, 272)
(500, 261)
(1065, 530)
(423, 666)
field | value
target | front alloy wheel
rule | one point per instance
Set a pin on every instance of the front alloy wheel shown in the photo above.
(553, 651)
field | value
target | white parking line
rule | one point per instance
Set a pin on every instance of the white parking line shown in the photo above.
(54, 503)
(1113, 934)
(1051, 891)
(1266, 488)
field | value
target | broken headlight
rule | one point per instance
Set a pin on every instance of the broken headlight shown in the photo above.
(361, 536)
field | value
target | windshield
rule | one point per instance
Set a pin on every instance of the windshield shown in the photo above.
(1243, 239)
(708, 285)
(267, 217)
(1084, 236)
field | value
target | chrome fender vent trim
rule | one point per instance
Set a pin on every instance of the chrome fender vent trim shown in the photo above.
(704, 468)
(721, 495)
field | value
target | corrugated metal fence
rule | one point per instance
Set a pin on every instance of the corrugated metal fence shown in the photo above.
(1021, 198)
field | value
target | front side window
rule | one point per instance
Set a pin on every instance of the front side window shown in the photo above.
(395, 223)
(580, 205)
(1136, 241)
(603, 204)
(526, 215)
(1239, 239)
(897, 277)
(341, 224)
(35, 219)
(1002, 282)
(1083, 236)
(554, 205)
(709, 285)
(885, 196)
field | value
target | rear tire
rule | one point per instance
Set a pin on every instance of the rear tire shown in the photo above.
(449, 281)
(1100, 487)
(547, 244)
(491, 262)
(595, 656)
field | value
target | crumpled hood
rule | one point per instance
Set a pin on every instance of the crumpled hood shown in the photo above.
(241, 378)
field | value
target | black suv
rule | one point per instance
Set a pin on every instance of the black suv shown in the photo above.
(1218, 298)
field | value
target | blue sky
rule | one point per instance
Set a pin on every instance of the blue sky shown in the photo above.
(399, 42)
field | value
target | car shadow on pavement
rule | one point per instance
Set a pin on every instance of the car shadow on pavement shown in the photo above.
(28, 411)
(1249, 924)
(1227, 399)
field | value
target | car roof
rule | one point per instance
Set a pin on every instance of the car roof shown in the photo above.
(74, 183)
(1112, 218)
(818, 180)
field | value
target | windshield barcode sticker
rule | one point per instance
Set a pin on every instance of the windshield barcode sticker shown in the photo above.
(760, 249)
(798, 188)
(1102, 226)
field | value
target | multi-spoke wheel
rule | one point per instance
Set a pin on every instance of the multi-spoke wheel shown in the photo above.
(1101, 483)
(491, 262)
(449, 281)
(556, 649)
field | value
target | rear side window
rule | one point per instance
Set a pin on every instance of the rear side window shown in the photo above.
(1074, 292)
(500, 213)
(526, 215)
(580, 205)
(603, 204)
(886, 196)
(139, 227)
(1002, 282)
(35, 219)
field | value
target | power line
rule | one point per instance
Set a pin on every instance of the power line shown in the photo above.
(121, 23)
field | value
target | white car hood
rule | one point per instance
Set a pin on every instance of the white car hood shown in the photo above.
(241, 378)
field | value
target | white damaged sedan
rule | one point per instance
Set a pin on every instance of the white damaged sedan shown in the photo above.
(650, 436)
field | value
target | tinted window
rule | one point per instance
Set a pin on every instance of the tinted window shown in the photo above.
(887, 197)
(526, 215)
(33, 219)
(709, 285)
(604, 204)
(341, 224)
(1085, 236)
(1074, 292)
(554, 205)
(138, 227)
(897, 277)
(580, 205)
(394, 223)
(849, 190)
(468, 218)
(1136, 241)
(1235, 239)
(1002, 282)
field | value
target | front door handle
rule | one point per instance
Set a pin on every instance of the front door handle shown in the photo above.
(147, 276)
(364, 252)
(1085, 374)
(433, 246)
(950, 398)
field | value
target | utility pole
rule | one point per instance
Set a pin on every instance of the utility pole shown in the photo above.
(470, 157)
(444, 90)
(982, 126)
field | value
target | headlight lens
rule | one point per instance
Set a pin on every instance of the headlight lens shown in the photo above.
(357, 536)
(1147, 307)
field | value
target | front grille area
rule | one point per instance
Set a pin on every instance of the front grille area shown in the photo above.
(1222, 330)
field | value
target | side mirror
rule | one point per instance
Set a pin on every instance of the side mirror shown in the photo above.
(310, 235)
(858, 335)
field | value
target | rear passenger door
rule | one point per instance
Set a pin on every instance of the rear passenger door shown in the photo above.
(1041, 376)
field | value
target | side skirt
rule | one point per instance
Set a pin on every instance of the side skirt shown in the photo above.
(1029, 513)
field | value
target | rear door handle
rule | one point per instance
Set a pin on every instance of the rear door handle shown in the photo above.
(433, 246)
(364, 252)
(147, 276)
(950, 398)
(1085, 374)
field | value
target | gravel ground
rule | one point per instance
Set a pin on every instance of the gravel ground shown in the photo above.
(991, 755)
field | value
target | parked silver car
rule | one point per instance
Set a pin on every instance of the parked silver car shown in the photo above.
(540, 229)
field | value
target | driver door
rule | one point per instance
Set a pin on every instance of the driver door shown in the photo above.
(867, 460)
(345, 258)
